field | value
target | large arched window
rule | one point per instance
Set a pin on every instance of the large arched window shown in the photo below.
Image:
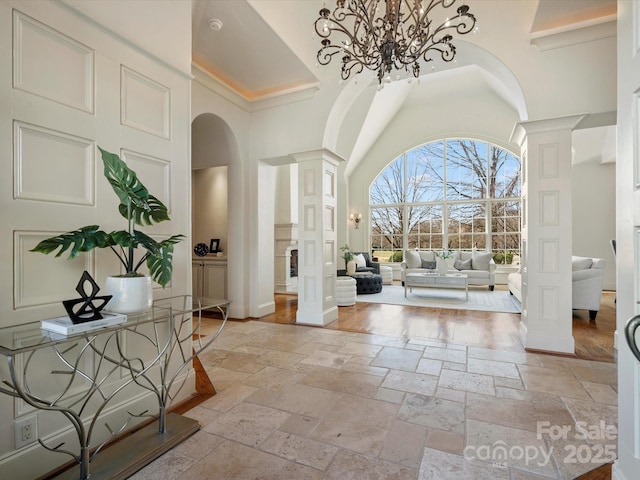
(454, 194)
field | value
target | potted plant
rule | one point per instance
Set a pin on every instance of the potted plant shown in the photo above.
(443, 256)
(349, 263)
(132, 290)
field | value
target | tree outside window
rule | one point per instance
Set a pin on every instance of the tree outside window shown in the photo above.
(454, 194)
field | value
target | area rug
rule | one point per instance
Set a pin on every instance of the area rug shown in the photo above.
(480, 298)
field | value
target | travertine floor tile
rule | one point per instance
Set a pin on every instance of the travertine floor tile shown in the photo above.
(601, 393)
(446, 441)
(411, 382)
(439, 465)
(359, 349)
(324, 358)
(492, 367)
(404, 444)
(233, 461)
(171, 465)
(556, 382)
(248, 424)
(397, 358)
(433, 412)
(351, 466)
(343, 381)
(273, 378)
(303, 400)
(469, 382)
(229, 397)
(509, 447)
(446, 354)
(429, 366)
(356, 423)
(516, 413)
(299, 449)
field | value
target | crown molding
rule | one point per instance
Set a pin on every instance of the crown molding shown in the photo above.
(292, 95)
(575, 34)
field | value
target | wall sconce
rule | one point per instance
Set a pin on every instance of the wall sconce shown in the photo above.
(355, 218)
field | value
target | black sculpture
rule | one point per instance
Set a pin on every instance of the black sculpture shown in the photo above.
(87, 312)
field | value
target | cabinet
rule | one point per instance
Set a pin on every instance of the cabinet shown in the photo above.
(209, 277)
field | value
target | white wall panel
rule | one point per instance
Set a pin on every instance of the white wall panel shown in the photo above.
(44, 279)
(310, 289)
(549, 204)
(329, 184)
(145, 104)
(309, 218)
(329, 219)
(309, 182)
(548, 303)
(548, 256)
(549, 161)
(42, 155)
(52, 65)
(309, 253)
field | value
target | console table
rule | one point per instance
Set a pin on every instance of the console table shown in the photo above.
(89, 364)
(435, 280)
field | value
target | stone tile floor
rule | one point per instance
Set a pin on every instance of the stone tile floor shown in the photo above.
(300, 402)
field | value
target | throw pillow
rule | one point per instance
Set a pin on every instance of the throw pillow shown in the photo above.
(480, 261)
(462, 264)
(360, 261)
(412, 258)
(581, 263)
(429, 264)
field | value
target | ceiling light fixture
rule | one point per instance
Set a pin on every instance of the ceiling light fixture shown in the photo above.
(384, 34)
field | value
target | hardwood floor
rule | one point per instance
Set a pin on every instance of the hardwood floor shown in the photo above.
(593, 340)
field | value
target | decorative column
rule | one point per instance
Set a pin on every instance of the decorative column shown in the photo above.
(317, 249)
(546, 320)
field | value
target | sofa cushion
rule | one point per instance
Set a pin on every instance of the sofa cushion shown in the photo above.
(462, 264)
(360, 261)
(427, 255)
(480, 261)
(413, 259)
(429, 264)
(581, 263)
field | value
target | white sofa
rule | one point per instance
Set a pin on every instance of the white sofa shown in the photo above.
(588, 278)
(514, 283)
(586, 290)
(478, 266)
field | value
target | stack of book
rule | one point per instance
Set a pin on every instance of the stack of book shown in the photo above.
(64, 325)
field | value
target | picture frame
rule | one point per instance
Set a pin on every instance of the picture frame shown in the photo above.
(214, 246)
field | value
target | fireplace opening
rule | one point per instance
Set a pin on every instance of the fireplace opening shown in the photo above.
(294, 263)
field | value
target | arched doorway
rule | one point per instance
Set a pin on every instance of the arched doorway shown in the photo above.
(213, 150)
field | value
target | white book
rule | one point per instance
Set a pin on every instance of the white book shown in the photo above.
(65, 326)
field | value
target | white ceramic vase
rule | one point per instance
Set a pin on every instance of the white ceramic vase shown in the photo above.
(443, 266)
(351, 267)
(130, 294)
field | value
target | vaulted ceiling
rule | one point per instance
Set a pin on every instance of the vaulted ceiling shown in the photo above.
(261, 49)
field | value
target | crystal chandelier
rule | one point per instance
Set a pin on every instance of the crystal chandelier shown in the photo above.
(385, 34)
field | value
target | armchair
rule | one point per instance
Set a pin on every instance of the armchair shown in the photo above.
(369, 265)
(587, 281)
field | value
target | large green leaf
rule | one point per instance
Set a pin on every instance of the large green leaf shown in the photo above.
(135, 201)
(81, 240)
(160, 260)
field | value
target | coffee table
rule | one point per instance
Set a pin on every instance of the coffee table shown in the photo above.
(435, 280)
